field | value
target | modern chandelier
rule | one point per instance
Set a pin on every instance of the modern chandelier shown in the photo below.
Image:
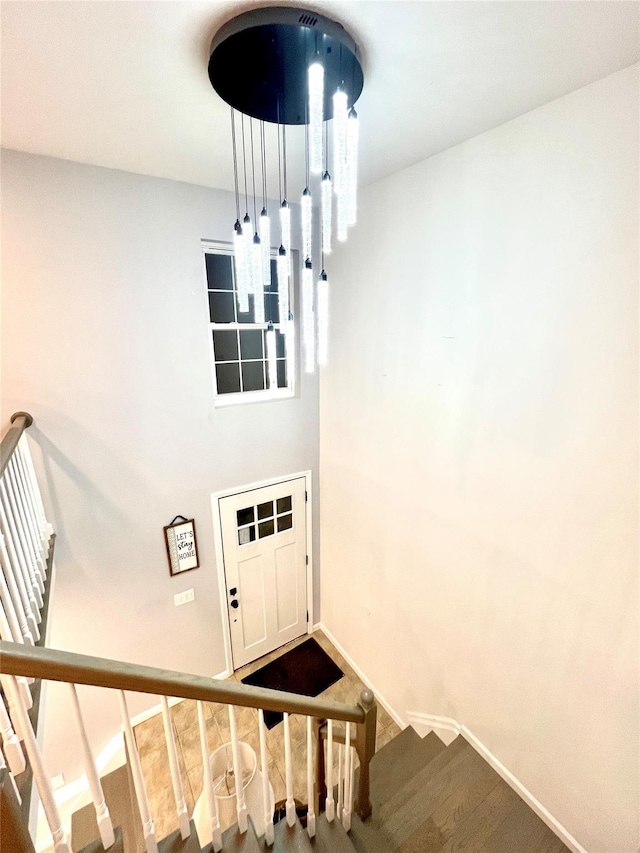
(288, 66)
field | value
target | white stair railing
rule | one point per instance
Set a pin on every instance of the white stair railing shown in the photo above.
(148, 829)
(348, 779)
(24, 635)
(23, 529)
(20, 570)
(46, 529)
(340, 781)
(40, 774)
(241, 806)
(330, 805)
(207, 783)
(6, 633)
(11, 510)
(288, 773)
(269, 834)
(105, 826)
(311, 809)
(174, 768)
(27, 509)
(10, 742)
(30, 490)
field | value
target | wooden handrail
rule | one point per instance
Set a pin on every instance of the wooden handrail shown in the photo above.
(55, 665)
(19, 422)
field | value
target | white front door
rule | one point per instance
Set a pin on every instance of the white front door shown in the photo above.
(264, 544)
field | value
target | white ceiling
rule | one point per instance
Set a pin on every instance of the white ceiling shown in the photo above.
(124, 84)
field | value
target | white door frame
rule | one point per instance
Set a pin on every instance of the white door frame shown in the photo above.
(217, 538)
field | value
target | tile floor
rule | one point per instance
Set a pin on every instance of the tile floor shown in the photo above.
(153, 753)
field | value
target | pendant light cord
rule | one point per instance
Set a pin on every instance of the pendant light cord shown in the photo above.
(235, 164)
(244, 160)
(279, 160)
(263, 148)
(253, 170)
(284, 159)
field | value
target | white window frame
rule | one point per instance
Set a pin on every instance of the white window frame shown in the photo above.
(240, 397)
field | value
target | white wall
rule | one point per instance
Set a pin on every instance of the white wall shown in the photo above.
(106, 343)
(479, 449)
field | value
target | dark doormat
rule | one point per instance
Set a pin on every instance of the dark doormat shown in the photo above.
(307, 670)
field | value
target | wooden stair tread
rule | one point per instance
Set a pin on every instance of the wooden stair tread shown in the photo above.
(331, 837)
(175, 843)
(116, 847)
(290, 839)
(471, 787)
(522, 830)
(472, 834)
(233, 842)
(367, 837)
(400, 760)
(426, 793)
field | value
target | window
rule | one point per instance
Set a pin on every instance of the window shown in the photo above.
(238, 343)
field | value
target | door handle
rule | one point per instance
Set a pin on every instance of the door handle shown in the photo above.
(235, 604)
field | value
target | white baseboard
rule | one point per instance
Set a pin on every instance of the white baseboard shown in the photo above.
(143, 716)
(354, 666)
(446, 728)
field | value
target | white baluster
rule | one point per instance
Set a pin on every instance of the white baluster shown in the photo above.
(288, 774)
(26, 455)
(311, 809)
(241, 806)
(10, 742)
(105, 826)
(348, 760)
(31, 492)
(24, 634)
(176, 778)
(20, 566)
(37, 562)
(340, 781)
(19, 538)
(207, 782)
(13, 781)
(138, 780)
(266, 791)
(40, 774)
(9, 625)
(27, 508)
(330, 805)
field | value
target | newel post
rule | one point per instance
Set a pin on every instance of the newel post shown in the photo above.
(365, 747)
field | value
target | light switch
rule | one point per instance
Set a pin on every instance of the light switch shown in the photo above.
(184, 597)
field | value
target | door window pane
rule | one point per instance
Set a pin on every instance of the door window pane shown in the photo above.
(246, 535)
(285, 522)
(284, 505)
(265, 510)
(245, 516)
(265, 528)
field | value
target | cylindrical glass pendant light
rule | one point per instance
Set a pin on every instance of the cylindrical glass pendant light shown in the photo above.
(316, 105)
(240, 266)
(256, 275)
(308, 317)
(247, 233)
(285, 226)
(340, 161)
(272, 364)
(326, 201)
(290, 332)
(307, 222)
(283, 284)
(323, 318)
(265, 242)
(352, 165)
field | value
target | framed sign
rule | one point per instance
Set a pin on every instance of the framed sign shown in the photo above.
(182, 547)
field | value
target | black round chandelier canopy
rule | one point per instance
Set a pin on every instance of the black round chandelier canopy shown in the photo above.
(259, 62)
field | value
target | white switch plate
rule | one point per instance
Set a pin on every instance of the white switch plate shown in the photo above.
(57, 781)
(184, 597)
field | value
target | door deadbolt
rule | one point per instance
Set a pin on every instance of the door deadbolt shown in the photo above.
(233, 591)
